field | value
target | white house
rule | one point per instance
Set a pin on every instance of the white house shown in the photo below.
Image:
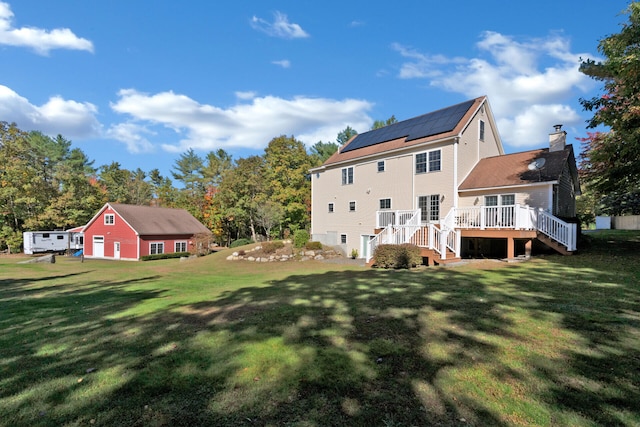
(442, 181)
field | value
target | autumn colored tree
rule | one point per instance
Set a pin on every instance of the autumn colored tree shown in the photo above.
(610, 164)
(287, 167)
(240, 192)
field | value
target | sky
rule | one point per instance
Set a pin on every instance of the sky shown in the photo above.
(141, 82)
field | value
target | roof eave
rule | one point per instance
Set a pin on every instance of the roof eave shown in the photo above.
(502, 187)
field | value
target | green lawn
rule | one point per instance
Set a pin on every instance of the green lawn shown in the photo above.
(554, 341)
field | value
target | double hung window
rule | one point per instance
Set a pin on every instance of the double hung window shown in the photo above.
(430, 161)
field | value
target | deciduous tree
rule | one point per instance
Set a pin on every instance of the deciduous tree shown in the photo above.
(611, 159)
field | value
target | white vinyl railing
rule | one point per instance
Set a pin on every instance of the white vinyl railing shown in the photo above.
(405, 227)
(400, 227)
(510, 216)
(560, 231)
(397, 218)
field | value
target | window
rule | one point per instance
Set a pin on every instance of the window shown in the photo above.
(508, 199)
(385, 203)
(109, 219)
(45, 235)
(347, 176)
(181, 247)
(60, 237)
(491, 200)
(434, 161)
(381, 166)
(330, 207)
(429, 161)
(156, 248)
(481, 130)
(421, 163)
(505, 200)
(343, 239)
(352, 206)
(429, 208)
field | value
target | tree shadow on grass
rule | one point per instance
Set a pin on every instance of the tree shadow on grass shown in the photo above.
(360, 347)
(597, 299)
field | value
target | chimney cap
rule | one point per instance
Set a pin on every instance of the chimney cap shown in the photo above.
(558, 128)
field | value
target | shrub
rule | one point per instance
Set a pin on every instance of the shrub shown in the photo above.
(165, 256)
(271, 247)
(397, 256)
(300, 238)
(313, 246)
(240, 242)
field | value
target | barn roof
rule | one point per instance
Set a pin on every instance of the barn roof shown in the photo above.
(150, 220)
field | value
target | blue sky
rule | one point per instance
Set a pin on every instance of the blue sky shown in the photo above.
(142, 82)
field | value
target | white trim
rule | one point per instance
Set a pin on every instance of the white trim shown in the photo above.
(456, 142)
(386, 154)
(535, 184)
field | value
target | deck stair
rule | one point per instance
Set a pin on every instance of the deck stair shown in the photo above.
(553, 244)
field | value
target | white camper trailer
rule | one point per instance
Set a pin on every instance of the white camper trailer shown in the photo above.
(36, 242)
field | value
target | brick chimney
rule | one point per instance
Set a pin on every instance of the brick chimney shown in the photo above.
(557, 139)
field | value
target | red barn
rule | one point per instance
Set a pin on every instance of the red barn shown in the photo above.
(130, 232)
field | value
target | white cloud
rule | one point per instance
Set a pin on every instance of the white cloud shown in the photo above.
(132, 135)
(245, 95)
(41, 41)
(280, 27)
(244, 125)
(284, 63)
(531, 84)
(72, 119)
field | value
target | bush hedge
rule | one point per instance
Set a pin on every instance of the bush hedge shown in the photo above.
(240, 242)
(397, 256)
(165, 256)
(313, 246)
(271, 247)
(300, 238)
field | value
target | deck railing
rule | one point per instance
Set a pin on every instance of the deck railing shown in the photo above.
(560, 231)
(397, 218)
(510, 216)
(401, 228)
(404, 227)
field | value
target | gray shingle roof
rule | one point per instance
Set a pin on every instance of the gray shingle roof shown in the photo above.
(149, 220)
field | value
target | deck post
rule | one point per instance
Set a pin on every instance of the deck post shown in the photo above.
(527, 248)
(511, 248)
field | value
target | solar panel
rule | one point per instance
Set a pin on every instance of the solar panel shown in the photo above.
(434, 123)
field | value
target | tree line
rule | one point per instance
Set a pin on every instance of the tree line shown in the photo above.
(47, 185)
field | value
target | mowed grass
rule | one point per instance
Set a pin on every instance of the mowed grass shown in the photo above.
(554, 341)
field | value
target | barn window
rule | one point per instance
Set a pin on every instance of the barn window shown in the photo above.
(156, 248)
(109, 219)
(181, 247)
